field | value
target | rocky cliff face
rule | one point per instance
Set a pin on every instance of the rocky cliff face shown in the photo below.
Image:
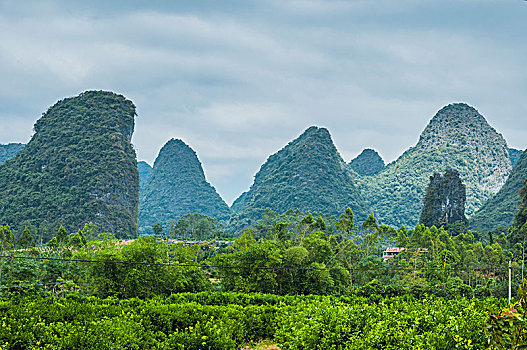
(9, 151)
(461, 126)
(177, 186)
(79, 167)
(368, 163)
(499, 210)
(444, 202)
(308, 174)
(457, 137)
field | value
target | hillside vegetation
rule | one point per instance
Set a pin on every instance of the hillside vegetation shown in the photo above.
(308, 174)
(79, 167)
(177, 186)
(9, 151)
(368, 163)
(499, 211)
(144, 171)
(457, 137)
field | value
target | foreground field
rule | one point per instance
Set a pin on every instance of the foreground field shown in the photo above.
(229, 320)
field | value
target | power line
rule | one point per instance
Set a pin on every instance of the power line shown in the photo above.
(259, 267)
(39, 284)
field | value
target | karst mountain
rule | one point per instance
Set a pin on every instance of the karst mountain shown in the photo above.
(78, 167)
(177, 186)
(458, 137)
(308, 174)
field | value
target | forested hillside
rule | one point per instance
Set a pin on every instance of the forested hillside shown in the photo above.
(457, 137)
(499, 210)
(9, 151)
(79, 167)
(177, 186)
(309, 175)
(514, 155)
(144, 171)
(368, 163)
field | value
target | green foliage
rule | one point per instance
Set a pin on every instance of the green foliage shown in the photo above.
(62, 236)
(515, 155)
(368, 163)
(308, 175)
(195, 227)
(227, 320)
(288, 262)
(7, 239)
(144, 171)
(25, 240)
(79, 167)
(9, 151)
(177, 186)
(157, 228)
(500, 210)
(392, 323)
(114, 276)
(519, 226)
(508, 328)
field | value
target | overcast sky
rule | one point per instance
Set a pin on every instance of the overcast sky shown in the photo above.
(237, 80)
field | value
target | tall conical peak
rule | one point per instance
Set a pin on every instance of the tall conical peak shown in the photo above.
(314, 142)
(81, 159)
(176, 187)
(459, 111)
(176, 155)
(307, 174)
(457, 137)
(314, 133)
(177, 145)
(459, 125)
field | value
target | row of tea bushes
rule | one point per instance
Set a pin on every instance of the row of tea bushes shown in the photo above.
(215, 320)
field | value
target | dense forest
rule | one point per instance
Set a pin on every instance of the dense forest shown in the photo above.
(79, 167)
(9, 151)
(316, 254)
(308, 174)
(498, 212)
(177, 186)
(436, 292)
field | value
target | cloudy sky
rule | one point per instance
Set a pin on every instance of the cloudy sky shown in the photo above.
(237, 80)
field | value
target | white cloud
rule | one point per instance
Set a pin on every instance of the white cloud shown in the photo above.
(237, 82)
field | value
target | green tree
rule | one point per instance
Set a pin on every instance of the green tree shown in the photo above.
(7, 239)
(519, 227)
(25, 240)
(89, 232)
(62, 236)
(158, 229)
(194, 226)
(345, 223)
(370, 235)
